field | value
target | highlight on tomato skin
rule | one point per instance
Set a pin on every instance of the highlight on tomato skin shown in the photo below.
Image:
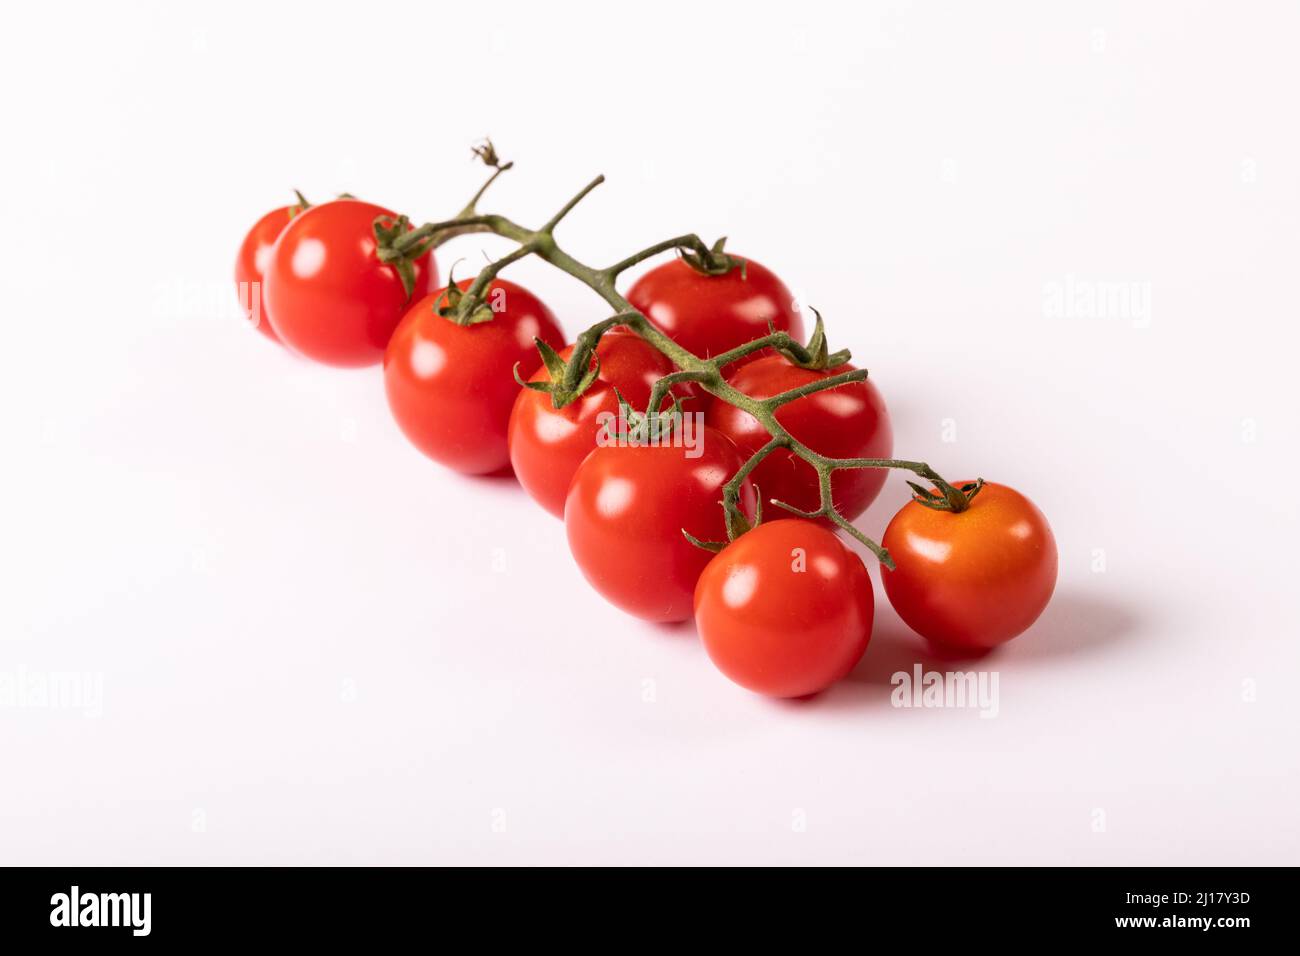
(786, 609)
(250, 268)
(711, 314)
(451, 388)
(626, 510)
(328, 296)
(972, 580)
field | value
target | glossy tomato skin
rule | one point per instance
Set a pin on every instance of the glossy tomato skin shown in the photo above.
(451, 387)
(849, 421)
(624, 516)
(786, 609)
(547, 444)
(972, 580)
(710, 314)
(250, 267)
(329, 297)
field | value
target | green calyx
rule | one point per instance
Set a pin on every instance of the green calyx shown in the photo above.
(654, 426)
(302, 205)
(713, 547)
(948, 497)
(462, 308)
(713, 261)
(737, 521)
(402, 260)
(816, 355)
(568, 381)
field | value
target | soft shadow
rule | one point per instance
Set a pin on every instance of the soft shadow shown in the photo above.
(675, 628)
(1075, 624)
(895, 647)
(504, 474)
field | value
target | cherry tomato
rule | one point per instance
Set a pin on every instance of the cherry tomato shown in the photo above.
(849, 421)
(451, 387)
(330, 298)
(974, 579)
(250, 267)
(710, 314)
(785, 610)
(626, 510)
(547, 444)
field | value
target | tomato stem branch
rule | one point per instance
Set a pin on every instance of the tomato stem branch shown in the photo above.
(708, 373)
(568, 206)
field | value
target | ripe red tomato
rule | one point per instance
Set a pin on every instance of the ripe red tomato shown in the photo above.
(329, 297)
(974, 579)
(710, 314)
(250, 267)
(451, 387)
(785, 610)
(849, 421)
(626, 510)
(547, 444)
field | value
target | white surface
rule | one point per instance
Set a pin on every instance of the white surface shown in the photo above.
(316, 646)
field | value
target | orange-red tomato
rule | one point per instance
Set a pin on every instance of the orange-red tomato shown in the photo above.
(328, 295)
(250, 267)
(974, 579)
(849, 421)
(710, 314)
(451, 387)
(785, 609)
(547, 444)
(625, 513)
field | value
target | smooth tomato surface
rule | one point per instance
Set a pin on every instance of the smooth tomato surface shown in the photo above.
(710, 314)
(250, 267)
(547, 444)
(624, 516)
(785, 610)
(328, 295)
(451, 387)
(975, 579)
(849, 421)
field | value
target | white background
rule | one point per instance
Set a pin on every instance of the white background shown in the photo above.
(315, 646)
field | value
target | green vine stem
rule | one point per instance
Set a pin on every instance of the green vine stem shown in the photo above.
(410, 244)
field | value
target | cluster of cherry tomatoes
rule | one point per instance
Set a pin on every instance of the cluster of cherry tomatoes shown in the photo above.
(786, 608)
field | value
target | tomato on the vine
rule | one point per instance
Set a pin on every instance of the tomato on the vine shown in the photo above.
(451, 387)
(627, 508)
(848, 421)
(250, 267)
(328, 295)
(973, 579)
(711, 314)
(785, 610)
(547, 444)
